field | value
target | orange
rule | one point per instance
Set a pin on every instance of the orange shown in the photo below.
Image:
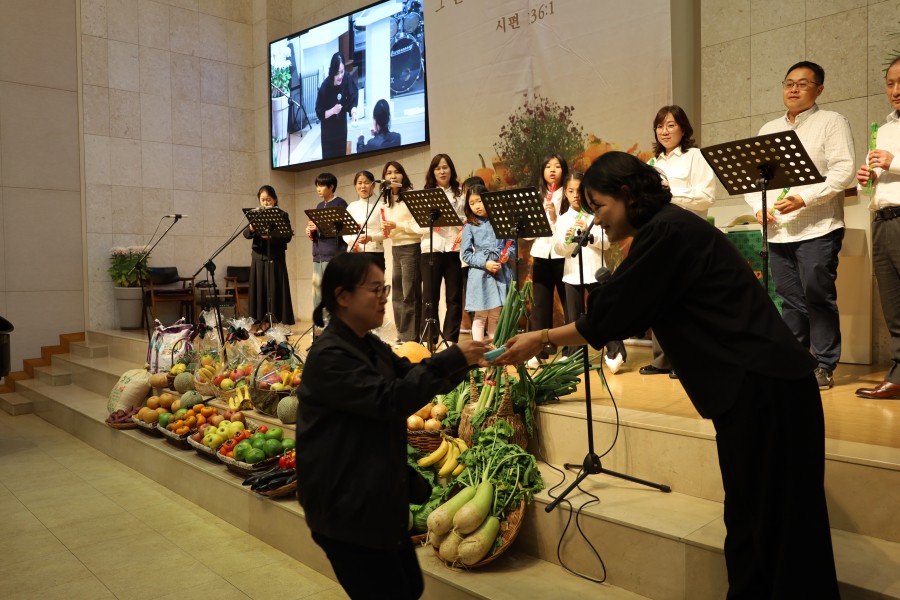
(182, 430)
(190, 422)
(201, 420)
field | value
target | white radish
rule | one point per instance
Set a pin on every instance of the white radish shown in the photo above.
(435, 539)
(440, 521)
(475, 546)
(470, 516)
(449, 547)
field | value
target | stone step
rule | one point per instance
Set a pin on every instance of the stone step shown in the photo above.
(129, 347)
(15, 403)
(53, 375)
(89, 349)
(98, 375)
(681, 452)
(632, 527)
(280, 522)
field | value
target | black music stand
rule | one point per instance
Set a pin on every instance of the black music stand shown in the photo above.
(766, 162)
(273, 224)
(431, 208)
(516, 214)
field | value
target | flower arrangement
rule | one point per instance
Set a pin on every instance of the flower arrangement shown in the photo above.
(537, 127)
(122, 267)
(281, 69)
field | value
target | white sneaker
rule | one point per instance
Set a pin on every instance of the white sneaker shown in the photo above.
(614, 364)
(533, 362)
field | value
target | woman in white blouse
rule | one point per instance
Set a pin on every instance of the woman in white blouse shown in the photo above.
(691, 181)
(371, 238)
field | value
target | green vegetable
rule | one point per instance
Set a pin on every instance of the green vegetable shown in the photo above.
(473, 513)
(440, 521)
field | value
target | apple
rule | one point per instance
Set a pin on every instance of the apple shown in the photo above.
(277, 387)
(263, 385)
(216, 420)
(227, 384)
(296, 381)
(235, 375)
(238, 416)
(227, 414)
(202, 429)
(198, 437)
(235, 428)
(206, 360)
(218, 379)
(215, 440)
(224, 430)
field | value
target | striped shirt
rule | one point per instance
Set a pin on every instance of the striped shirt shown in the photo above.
(827, 139)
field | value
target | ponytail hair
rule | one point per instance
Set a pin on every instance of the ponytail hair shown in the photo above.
(346, 271)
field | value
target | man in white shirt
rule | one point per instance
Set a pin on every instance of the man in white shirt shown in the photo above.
(806, 227)
(884, 168)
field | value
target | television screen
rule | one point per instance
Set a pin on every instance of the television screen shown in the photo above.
(352, 85)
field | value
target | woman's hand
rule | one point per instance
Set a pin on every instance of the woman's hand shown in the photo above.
(492, 267)
(473, 351)
(334, 110)
(364, 239)
(353, 114)
(387, 227)
(520, 348)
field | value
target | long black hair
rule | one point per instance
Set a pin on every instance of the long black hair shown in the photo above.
(346, 271)
(405, 182)
(626, 178)
(545, 189)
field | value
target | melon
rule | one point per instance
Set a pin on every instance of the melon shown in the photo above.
(287, 409)
(413, 351)
(191, 399)
(184, 382)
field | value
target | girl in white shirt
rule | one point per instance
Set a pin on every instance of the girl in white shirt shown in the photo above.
(399, 228)
(569, 226)
(691, 181)
(370, 240)
(547, 264)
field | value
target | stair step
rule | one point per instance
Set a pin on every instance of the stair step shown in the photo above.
(633, 526)
(98, 375)
(280, 522)
(88, 349)
(15, 404)
(53, 375)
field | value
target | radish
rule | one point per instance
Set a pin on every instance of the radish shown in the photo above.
(440, 521)
(471, 515)
(435, 539)
(474, 547)
(448, 550)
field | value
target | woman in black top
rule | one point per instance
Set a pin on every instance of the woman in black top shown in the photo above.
(352, 478)
(336, 100)
(737, 360)
(282, 308)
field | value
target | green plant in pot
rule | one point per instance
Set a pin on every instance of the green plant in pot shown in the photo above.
(126, 267)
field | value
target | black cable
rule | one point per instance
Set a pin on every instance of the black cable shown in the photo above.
(592, 498)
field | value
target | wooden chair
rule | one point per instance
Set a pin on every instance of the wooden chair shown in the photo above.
(237, 282)
(165, 285)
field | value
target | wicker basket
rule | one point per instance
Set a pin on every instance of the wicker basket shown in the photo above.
(285, 490)
(427, 442)
(148, 428)
(204, 451)
(121, 425)
(465, 417)
(205, 389)
(509, 530)
(245, 469)
(266, 401)
(504, 411)
(179, 441)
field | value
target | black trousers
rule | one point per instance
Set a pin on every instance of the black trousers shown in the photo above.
(448, 269)
(374, 574)
(771, 447)
(546, 276)
(886, 265)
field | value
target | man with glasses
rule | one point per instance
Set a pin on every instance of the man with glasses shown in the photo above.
(806, 227)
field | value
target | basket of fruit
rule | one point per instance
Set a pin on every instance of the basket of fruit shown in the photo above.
(218, 429)
(424, 431)
(186, 422)
(231, 384)
(248, 452)
(146, 420)
(121, 419)
(275, 377)
(205, 375)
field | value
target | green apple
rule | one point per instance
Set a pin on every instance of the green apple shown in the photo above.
(215, 440)
(227, 384)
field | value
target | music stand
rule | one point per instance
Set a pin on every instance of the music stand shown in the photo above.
(431, 208)
(766, 162)
(333, 221)
(515, 214)
(276, 225)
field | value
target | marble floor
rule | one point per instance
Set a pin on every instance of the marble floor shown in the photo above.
(80, 525)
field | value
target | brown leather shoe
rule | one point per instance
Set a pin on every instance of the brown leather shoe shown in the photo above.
(884, 391)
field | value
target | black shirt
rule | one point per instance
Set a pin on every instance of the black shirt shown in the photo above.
(687, 281)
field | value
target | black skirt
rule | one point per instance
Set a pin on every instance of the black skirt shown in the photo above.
(282, 308)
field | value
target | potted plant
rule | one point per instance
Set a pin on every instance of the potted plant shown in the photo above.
(127, 268)
(281, 83)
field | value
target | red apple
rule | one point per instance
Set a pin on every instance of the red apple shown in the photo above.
(296, 380)
(215, 420)
(218, 379)
(238, 416)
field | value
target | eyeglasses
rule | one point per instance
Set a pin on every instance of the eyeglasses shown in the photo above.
(666, 126)
(381, 291)
(802, 85)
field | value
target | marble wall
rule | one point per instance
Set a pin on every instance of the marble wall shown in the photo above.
(746, 46)
(41, 264)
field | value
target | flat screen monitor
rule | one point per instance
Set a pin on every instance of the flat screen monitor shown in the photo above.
(352, 85)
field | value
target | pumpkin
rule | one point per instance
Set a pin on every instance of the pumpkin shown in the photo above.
(287, 409)
(413, 351)
(184, 382)
(159, 380)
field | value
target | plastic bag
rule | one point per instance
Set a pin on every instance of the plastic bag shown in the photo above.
(168, 344)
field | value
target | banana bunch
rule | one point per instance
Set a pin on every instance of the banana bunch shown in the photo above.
(445, 458)
(241, 396)
(207, 373)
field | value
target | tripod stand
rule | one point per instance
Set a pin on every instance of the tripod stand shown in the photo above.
(591, 464)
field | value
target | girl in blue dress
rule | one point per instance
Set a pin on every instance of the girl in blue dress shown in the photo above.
(489, 260)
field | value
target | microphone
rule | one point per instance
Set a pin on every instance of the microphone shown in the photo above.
(389, 182)
(602, 275)
(176, 216)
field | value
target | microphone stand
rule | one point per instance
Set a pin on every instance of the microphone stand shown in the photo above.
(365, 225)
(141, 278)
(591, 464)
(766, 172)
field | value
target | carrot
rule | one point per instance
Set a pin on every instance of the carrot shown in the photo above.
(472, 514)
(440, 521)
(474, 547)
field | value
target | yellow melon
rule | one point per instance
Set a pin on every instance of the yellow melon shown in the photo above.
(413, 351)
